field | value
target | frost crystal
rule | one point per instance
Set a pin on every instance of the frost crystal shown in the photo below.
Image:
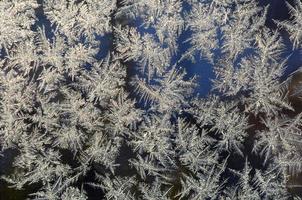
(98, 95)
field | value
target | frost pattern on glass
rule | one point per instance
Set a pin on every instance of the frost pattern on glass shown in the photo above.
(127, 123)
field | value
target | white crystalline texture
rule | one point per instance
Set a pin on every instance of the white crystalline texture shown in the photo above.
(100, 93)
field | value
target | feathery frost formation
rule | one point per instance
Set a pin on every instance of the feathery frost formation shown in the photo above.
(79, 120)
